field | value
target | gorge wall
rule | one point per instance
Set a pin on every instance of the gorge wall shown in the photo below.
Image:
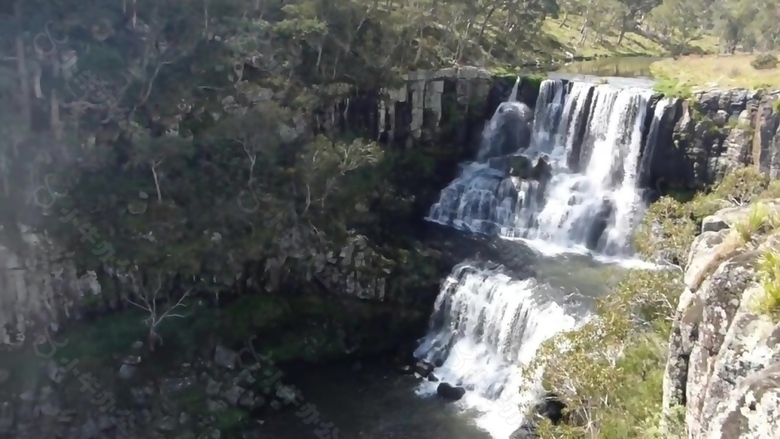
(714, 131)
(443, 113)
(722, 371)
(699, 138)
(444, 109)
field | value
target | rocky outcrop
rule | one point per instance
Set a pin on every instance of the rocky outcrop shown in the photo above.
(724, 355)
(444, 106)
(450, 107)
(194, 397)
(714, 132)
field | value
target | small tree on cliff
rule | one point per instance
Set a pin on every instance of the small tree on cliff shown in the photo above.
(147, 299)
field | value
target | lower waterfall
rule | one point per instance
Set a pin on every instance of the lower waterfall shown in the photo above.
(485, 325)
(563, 178)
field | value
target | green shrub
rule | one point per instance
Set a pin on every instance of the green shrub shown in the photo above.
(742, 185)
(769, 279)
(666, 231)
(622, 349)
(764, 62)
(761, 220)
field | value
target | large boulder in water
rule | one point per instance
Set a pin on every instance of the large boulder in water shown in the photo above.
(542, 171)
(516, 166)
(509, 130)
(599, 224)
(550, 407)
(450, 392)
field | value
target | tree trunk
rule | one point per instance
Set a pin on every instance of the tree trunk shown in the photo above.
(623, 25)
(152, 340)
(484, 24)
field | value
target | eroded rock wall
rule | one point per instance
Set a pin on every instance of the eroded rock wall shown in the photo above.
(40, 284)
(715, 131)
(724, 354)
(448, 106)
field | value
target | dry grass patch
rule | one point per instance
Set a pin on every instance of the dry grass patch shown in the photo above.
(724, 71)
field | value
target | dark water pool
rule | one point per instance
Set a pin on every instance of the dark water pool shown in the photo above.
(373, 403)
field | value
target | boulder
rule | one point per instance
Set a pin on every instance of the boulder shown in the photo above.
(225, 357)
(542, 171)
(423, 368)
(713, 223)
(509, 130)
(450, 392)
(599, 224)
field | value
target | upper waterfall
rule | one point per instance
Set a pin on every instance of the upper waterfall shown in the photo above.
(566, 173)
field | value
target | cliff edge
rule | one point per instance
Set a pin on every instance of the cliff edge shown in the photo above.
(723, 368)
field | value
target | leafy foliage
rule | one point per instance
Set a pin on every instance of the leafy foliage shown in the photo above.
(180, 133)
(769, 278)
(669, 226)
(621, 349)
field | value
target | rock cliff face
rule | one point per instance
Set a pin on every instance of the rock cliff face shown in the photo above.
(724, 357)
(449, 107)
(715, 131)
(443, 106)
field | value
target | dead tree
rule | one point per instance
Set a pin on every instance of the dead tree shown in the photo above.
(147, 300)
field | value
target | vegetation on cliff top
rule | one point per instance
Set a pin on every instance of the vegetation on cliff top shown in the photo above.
(609, 373)
(730, 71)
(747, 27)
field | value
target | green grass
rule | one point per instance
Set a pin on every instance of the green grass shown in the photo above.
(673, 88)
(760, 220)
(769, 275)
(568, 36)
(733, 71)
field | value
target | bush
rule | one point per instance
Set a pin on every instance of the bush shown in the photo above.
(609, 373)
(764, 62)
(769, 279)
(622, 349)
(741, 186)
(669, 226)
(761, 220)
(666, 232)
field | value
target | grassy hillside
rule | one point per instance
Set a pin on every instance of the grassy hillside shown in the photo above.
(723, 71)
(566, 37)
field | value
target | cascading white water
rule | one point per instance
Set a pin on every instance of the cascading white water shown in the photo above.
(593, 129)
(486, 324)
(652, 139)
(547, 116)
(484, 327)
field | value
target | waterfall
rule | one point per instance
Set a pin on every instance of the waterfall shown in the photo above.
(573, 186)
(569, 178)
(652, 139)
(484, 326)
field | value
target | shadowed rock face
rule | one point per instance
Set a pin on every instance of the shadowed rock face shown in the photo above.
(723, 364)
(718, 130)
(509, 131)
